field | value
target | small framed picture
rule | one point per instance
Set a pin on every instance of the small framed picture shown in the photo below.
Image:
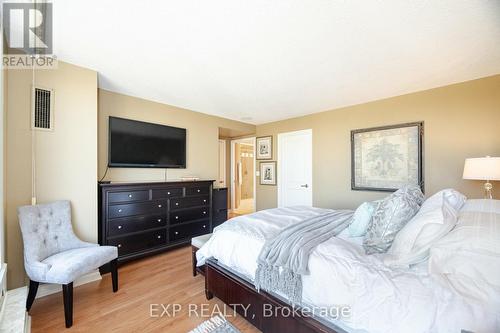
(268, 173)
(265, 148)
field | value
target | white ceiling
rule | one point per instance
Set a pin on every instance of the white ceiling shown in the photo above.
(266, 60)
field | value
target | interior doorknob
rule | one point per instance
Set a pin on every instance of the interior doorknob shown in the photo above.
(305, 185)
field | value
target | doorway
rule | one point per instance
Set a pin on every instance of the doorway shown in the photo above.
(295, 168)
(243, 176)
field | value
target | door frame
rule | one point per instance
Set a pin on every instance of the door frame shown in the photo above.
(224, 171)
(281, 137)
(233, 176)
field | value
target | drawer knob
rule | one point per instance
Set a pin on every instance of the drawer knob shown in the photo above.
(168, 193)
(159, 220)
(159, 206)
(176, 232)
(177, 204)
(177, 217)
(204, 226)
(204, 200)
(130, 195)
(198, 191)
(119, 210)
(119, 227)
(204, 212)
(119, 245)
(159, 236)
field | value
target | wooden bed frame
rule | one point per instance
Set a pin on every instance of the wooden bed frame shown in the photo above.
(232, 290)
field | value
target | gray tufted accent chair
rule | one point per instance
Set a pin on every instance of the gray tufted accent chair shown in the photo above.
(53, 253)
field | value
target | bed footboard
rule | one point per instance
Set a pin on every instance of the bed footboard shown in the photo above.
(264, 311)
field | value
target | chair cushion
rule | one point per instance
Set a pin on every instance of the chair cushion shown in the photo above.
(67, 266)
(200, 240)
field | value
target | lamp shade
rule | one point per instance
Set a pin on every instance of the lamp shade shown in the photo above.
(483, 168)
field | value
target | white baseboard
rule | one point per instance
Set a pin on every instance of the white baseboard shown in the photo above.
(27, 326)
(14, 315)
(3, 286)
(49, 289)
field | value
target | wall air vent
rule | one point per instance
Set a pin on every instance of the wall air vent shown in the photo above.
(43, 111)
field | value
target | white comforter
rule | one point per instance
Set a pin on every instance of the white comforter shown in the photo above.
(381, 299)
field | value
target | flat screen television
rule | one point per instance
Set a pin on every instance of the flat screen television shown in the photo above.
(136, 144)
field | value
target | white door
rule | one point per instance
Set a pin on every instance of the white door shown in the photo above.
(295, 168)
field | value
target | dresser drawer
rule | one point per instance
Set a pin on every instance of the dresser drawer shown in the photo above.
(189, 215)
(128, 196)
(219, 217)
(139, 242)
(143, 208)
(189, 230)
(219, 198)
(127, 225)
(179, 203)
(198, 190)
(167, 193)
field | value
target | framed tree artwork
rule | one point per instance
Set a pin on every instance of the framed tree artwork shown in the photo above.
(268, 173)
(386, 158)
(264, 148)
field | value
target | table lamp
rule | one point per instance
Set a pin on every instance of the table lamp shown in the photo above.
(483, 168)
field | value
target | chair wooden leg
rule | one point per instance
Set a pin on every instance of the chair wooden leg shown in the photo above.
(114, 274)
(68, 303)
(33, 288)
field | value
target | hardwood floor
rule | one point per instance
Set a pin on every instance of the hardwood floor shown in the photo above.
(162, 279)
(233, 214)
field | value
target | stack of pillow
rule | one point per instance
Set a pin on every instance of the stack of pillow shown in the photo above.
(380, 221)
(404, 226)
(460, 238)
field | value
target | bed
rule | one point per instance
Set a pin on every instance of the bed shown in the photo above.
(341, 277)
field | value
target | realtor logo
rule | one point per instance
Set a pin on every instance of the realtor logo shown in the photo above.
(27, 28)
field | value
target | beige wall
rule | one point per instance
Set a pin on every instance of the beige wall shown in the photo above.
(202, 136)
(66, 158)
(461, 120)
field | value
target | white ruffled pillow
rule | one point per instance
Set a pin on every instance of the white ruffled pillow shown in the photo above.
(435, 219)
(455, 199)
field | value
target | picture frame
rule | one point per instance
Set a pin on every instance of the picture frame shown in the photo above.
(264, 148)
(268, 173)
(388, 157)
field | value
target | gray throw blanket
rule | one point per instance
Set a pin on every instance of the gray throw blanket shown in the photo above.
(284, 258)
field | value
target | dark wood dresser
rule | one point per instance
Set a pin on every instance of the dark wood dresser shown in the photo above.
(147, 218)
(219, 206)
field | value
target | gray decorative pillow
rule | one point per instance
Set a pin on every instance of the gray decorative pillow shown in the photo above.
(391, 215)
